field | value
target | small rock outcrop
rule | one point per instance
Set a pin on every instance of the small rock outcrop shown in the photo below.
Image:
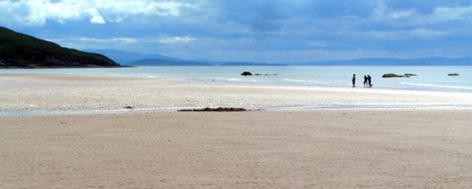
(246, 73)
(392, 75)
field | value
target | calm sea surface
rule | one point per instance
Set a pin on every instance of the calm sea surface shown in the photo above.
(433, 78)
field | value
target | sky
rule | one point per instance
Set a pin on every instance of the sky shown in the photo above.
(271, 31)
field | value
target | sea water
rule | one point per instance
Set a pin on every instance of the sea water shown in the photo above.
(432, 78)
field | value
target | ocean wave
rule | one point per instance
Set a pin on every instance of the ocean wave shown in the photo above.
(301, 81)
(233, 79)
(437, 86)
(225, 79)
(145, 76)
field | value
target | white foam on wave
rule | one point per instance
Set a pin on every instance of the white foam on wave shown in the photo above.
(149, 76)
(233, 80)
(301, 81)
(436, 85)
(225, 79)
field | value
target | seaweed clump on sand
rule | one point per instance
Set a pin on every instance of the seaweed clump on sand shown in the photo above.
(220, 109)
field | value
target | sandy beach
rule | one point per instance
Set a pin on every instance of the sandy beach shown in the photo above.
(303, 149)
(91, 92)
(343, 148)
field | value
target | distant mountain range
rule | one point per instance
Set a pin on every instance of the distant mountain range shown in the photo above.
(432, 61)
(18, 50)
(125, 58)
(250, 64)
(164, 62)
(136, 59)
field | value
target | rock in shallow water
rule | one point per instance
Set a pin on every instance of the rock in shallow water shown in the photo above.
(392, 75)
(246, 73)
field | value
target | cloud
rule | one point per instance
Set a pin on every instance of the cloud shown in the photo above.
(96, 16)
(184, 39)
(408, 33)
(125, 40)
(37, 12)
(383, 11)
(110, 40)
(427, 32)
(402, 14)
(96, 40)
(453, 13)
(276, 30)
(317, 44)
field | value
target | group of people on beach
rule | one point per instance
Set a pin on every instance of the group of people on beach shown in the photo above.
(367, 81)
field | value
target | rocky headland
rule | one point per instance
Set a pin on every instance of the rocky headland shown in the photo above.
(18, 50)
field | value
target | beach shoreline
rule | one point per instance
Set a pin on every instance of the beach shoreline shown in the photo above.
(62, 93)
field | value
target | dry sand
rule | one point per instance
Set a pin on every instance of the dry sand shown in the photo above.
(302, 149)
(257, 149)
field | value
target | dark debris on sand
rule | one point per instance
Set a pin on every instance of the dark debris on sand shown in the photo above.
(220, 109)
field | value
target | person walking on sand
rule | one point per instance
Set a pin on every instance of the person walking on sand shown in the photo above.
(365, 81)
(369, 81)
(354, 80)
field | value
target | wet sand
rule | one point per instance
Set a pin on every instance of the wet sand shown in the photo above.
(260, 149)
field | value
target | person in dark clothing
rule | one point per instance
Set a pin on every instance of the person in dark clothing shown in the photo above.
(369, 81)
(365, 81)
(354, 80)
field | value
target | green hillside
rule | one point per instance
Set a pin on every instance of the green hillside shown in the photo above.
(22, 51)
